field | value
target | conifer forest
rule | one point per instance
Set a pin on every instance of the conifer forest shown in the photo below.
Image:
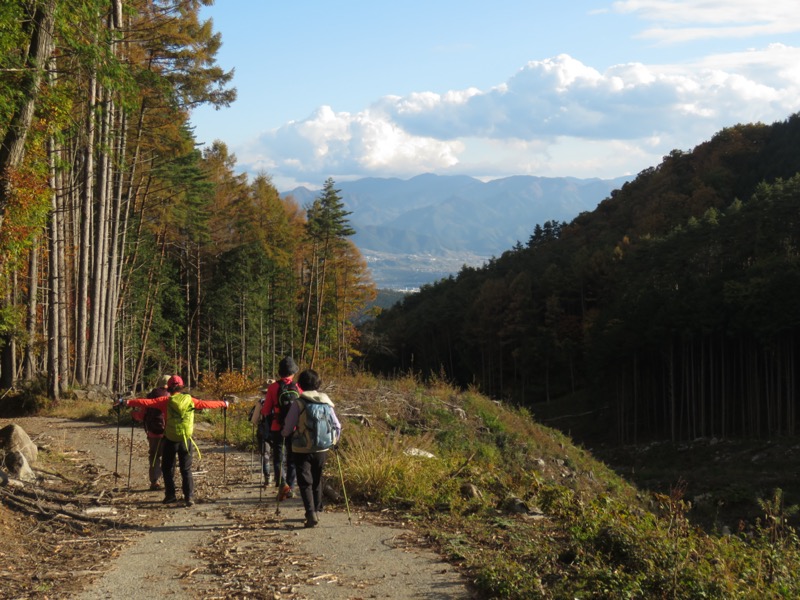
(125, 251)
(672, 308)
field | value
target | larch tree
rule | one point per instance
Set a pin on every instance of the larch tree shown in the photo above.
(327, 228)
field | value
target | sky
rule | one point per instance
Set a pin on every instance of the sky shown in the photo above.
(369, 88)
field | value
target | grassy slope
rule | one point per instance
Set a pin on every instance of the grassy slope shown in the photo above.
(528, 514)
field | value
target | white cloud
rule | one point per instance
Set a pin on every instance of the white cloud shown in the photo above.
(553, 117)
(686, 20)
(345, 145)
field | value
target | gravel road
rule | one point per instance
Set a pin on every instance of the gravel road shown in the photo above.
(232, 544)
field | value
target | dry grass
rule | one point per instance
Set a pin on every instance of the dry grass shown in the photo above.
(80, 410)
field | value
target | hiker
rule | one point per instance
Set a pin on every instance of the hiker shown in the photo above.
(310, 443)
(262, 432)
(179, 409)
(153, 420)
(273, 414)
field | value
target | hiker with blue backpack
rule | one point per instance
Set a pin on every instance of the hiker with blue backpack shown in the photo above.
(179, 408)
(313, 428)
(279, 397)
(154, 420)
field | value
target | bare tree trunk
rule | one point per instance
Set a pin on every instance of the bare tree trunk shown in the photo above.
(326, 252)
(97, 343)
(197, 311)
(261, 345)
(320, 296)
(243, 328)
(62, 281)
(87, 217)
(273, 329)
(118, 237)
(188, 327)
(149, 310)
(54, 373)
(33, 306)
(307, 316)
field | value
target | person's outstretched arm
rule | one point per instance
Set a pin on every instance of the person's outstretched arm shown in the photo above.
(201, 404)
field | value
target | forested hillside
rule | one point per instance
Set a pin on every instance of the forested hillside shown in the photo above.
(671, 309)
(125, 251)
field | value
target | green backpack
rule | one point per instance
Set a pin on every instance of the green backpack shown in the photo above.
(180, 418)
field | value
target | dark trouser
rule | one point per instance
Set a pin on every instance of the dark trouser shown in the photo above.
(309, 478)
(184, 452)
(282, 459)
(154, 458)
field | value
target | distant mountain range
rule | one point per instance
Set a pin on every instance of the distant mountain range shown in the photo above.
(416, 231)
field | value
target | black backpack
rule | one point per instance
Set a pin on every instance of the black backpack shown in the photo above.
(287, 393)
(154, 421)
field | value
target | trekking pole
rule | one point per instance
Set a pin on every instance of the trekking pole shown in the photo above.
(261, 486)
(130, 456)
(224, 445)
(252, 449)
(280, 479)
(116, 458)
(344, 490)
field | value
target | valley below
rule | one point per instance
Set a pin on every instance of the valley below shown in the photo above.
(409, 272)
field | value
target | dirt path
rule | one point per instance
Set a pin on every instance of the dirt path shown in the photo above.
(231, 544)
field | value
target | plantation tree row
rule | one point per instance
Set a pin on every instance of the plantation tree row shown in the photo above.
(673, 306)
(124, 250)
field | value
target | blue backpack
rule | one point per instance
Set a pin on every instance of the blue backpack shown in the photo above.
(315, 429)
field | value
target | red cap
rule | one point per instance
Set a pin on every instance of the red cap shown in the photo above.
(175, 381)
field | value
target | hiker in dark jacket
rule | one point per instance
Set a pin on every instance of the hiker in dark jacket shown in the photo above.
(308, 461)
(177, 438)
(153, 420)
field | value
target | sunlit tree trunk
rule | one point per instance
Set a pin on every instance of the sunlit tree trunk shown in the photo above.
(33, 305)
(97, 344)
(118, 238)
(86, 245)
(62, 230)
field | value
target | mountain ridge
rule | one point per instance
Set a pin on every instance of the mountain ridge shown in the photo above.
(456, 219)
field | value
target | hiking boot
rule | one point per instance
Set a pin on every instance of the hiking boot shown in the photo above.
(311, 520)
(169, 500)
(189, 502)
(285, 493)
(155, 486)
(290, 493)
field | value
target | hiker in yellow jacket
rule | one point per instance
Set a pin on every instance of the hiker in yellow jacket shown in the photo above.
(177, 438)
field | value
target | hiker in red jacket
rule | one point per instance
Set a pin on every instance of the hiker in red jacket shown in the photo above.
(285, 477)
(179, 426)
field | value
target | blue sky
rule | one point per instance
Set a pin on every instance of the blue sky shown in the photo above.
(355, 89)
